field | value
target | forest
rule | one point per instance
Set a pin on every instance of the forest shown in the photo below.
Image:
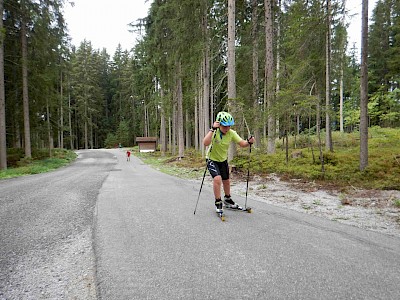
(281, 67)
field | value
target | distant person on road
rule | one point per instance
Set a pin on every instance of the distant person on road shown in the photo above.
(128, 155)
(219, 137)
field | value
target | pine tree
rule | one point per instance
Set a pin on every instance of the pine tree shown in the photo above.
(364, 89)
(380, 44)
(3, 141)
(24, 65)
(328, 131)
(269, 75)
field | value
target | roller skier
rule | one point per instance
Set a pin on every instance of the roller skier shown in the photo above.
(219, 137)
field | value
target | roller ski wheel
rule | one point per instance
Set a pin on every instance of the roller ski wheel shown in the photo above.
(230, 204)
(219, 210)
(221, 216)
(239, 208)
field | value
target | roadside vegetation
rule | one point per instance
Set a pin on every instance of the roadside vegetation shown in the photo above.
(301, 162)
(40, 162)
(341, 167)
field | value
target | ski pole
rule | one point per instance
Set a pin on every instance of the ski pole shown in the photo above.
(204, 175)
(198, 197)
(248, 175)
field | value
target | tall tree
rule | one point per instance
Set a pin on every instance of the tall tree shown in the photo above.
(382, 46)
(255, 65)
(231, 66)
(364, 88)
(3, 142)
(25, 93)
(231, 52)
(88, 96)
(328, 137)
(179, 102)
(206, 73)
(342, 51)
(269, 75)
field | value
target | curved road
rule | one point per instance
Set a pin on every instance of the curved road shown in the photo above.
(148, 244)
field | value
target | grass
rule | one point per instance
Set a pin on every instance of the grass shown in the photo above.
(39, 163)
(189, 167)
(341, 166)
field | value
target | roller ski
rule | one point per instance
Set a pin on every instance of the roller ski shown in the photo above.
(219, 210)
(230, 204)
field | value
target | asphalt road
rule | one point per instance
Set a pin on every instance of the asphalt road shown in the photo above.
(148, 244)
(46, 230)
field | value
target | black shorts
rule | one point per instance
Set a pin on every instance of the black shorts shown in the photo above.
(218, 168)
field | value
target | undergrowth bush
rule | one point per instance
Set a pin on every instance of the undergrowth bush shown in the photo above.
(40, 162)
(341, 167)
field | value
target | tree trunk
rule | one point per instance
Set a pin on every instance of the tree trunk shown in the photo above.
(49, 133)
(200, 109)
(163, 141)
(321, 154)
(269, 75)
(206, 78)
(231, 52)
(364, 89)
(173, 127)
(342, 63)
(86, 123)
(278, 58)
(341, 97)
(25, 94)
(179, 96)
(212, 109)
(188, 143)
(61, 112)
(196, 122)
(170, 133)
(3, 140)
(206, 95)
(328, 137)
(91, 131)
(255, 55)
(71, 135)
(146, 133)
(231, 67)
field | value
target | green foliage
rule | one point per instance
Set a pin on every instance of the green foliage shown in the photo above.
(111, 101)
(341, 166)
(190, 166)
(384, 47)
(111, 141)
(39, 163)
(124, 134)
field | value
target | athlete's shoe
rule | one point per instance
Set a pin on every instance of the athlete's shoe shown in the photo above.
(218, 206)
(229, 202)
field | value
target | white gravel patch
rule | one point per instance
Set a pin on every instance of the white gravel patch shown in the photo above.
(368, 209)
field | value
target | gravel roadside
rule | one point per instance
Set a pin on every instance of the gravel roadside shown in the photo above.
(368, 209)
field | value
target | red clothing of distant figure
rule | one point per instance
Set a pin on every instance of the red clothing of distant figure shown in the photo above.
(128, 155)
